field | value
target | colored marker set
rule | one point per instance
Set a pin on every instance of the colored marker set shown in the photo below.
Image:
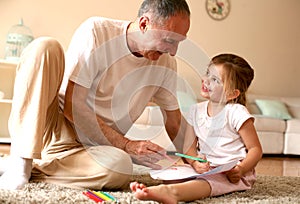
(99, 196)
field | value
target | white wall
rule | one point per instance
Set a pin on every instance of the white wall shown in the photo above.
(265, 32)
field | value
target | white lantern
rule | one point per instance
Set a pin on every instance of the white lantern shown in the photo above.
(18, 37)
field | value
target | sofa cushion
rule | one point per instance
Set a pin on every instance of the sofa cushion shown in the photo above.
(291, 144)
(271, 142)
(267, 124)
(293, 105)
(144, 117)
(293, 126)
(273, 108)
(155, 133)
(152, 115)
(253, 109)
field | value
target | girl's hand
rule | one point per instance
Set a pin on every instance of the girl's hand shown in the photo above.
(235, 174)
(200, 167)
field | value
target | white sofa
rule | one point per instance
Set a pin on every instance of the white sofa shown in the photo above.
(277, 136)
(150, 126)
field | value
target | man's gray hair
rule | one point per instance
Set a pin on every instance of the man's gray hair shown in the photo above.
(163, 9)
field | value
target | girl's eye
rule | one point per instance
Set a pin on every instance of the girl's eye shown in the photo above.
(207, 73)
(216, 80)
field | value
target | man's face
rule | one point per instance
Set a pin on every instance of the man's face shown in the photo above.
(166, 38)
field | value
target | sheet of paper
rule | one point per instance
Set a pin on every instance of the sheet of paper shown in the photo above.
(184, 171)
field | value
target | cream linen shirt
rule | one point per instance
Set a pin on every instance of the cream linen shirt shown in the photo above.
(120, 84)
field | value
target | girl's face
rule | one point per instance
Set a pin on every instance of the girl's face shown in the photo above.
(212, 84)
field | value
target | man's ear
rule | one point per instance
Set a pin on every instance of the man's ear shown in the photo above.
(233, 94)
(144, 23)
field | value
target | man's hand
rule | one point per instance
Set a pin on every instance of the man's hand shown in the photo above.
(235, 174)
(145, 153)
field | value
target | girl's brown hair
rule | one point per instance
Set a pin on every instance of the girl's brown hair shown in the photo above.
(238, 74)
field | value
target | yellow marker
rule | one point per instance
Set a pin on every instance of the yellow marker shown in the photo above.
(102, 196)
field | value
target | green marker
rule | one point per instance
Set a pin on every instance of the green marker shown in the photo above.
(190, 157)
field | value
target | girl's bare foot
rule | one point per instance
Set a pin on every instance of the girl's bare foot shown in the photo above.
(159, 193)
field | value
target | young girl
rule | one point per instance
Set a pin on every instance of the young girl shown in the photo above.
(220, 130)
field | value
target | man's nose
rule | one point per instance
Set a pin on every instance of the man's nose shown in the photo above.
(173, 50)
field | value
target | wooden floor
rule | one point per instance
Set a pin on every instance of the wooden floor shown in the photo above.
(4, 149)
(269, 165)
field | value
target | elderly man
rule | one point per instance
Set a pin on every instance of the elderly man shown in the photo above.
(68, 120)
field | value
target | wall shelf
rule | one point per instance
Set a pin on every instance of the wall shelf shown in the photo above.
(7, 77)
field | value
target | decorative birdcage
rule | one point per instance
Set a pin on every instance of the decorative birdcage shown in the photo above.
(18, 37)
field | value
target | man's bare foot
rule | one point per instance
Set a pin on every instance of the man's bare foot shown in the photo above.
(159, 193)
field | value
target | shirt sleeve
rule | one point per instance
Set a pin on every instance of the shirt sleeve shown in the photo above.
(79, 56)
(239, 115)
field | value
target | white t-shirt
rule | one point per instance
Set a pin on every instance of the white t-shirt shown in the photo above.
(218, 136)
(120, 84)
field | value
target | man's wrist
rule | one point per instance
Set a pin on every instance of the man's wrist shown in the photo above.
(125, 144)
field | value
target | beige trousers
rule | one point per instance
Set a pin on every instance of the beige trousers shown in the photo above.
(40, 131)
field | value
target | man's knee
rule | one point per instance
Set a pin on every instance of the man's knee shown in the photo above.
(42, 46)
(112, 158)
(44, 43)
(117, 181)
(45, 55)
(116, 167)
